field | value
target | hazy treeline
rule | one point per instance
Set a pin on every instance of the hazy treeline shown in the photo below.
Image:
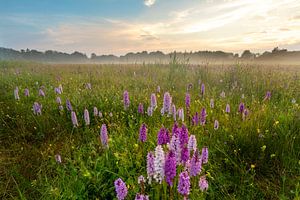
(276, 55)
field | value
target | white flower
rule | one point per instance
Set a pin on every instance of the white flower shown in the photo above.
(159, 164)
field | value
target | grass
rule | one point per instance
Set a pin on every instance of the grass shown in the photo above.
(256, 158)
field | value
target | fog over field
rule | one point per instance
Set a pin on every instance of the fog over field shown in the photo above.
(276, 57)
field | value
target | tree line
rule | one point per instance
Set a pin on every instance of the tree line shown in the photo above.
(196, 57)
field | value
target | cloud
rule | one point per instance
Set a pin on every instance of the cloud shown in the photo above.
(230, 25)
(149, 3)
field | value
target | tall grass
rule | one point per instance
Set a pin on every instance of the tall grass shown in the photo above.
(256, 158)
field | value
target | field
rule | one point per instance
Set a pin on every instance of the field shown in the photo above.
(253, 151)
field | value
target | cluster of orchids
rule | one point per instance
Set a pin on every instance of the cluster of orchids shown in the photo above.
(176, 161)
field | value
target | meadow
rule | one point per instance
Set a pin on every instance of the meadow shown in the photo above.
(253, 148)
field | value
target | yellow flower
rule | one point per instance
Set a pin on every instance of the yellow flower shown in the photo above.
(258, 130)
(209, 175)
(252, 166)
(277, 122)
(273, 155)
(87, 173)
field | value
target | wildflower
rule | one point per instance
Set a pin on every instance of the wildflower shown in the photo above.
(166, 103)
(158, 89)
(86, 117)
(150, 111)
(204, 155)
(187, 101)
(170, 168)
(150, 166)
(202, 89)
(16, 93)
(26, 92)
(184, 154)
(110, 114)
(183, 136)
(58, 158)
(121, 189)
(95, 109)
(141, 197)
(293, 101)
(126, 100)
(175, 128)
(141, 179)
(141, 182)
(227, 109)
(203, 184)
(203, 117)
(175, 146)
(189, 87)
(57, 90)
(41, 93)
(37, 108)
(187, 166)
(196, 164)
(268, 96)
(143, 133)
(88, 86)
(74, 119)
(104, 136)
(174, 112)
(180, 114)
(184, 184)
(68, 105)
(141, 108)
(60, 107)
(245, 113)
(195, 119)
(241, 107)
(153, 101)
(212, 103)
(100, 114)
(58, 100)
(222, 94)
(163, 136)
(192, 143)
(60, 88)
(216, 125)
(159, 164)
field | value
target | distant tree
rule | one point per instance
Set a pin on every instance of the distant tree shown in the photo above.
(277, 50)
(247, 55)
(93, 56)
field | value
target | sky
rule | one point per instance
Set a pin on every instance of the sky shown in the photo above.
(122, 26)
